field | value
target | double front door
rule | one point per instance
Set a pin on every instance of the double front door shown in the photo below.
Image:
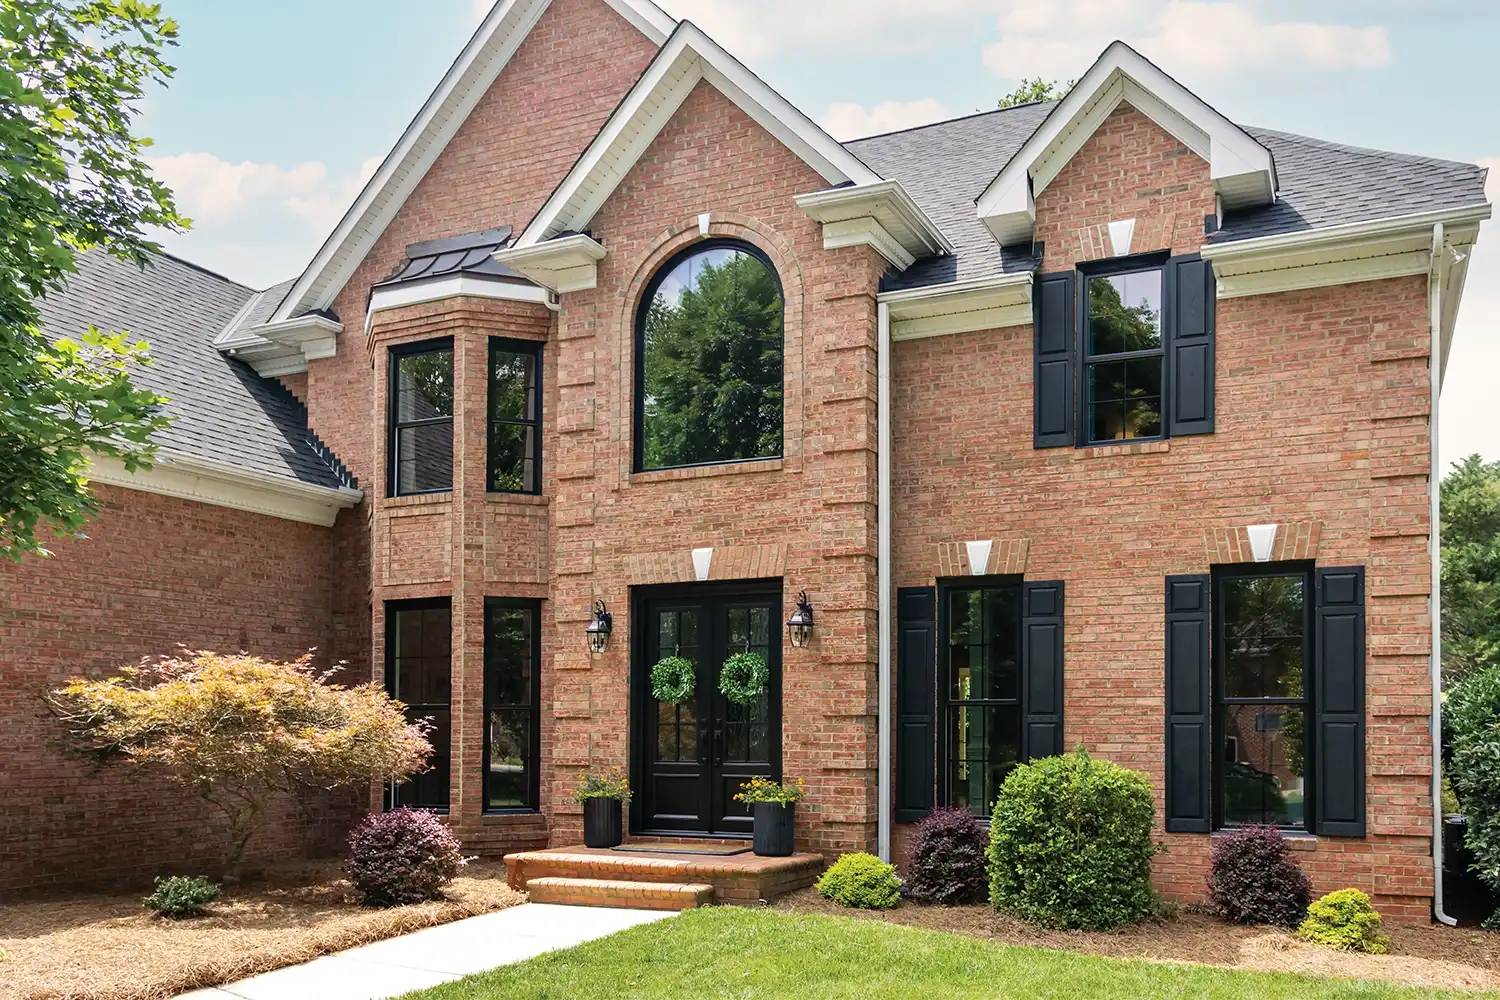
(696, 755)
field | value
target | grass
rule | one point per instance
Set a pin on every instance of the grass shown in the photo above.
(726, 952)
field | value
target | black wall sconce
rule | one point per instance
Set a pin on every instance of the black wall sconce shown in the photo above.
(799, 627)
(600, 628)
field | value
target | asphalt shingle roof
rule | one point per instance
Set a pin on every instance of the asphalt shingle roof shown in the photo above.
(946, 167)
(224, 411)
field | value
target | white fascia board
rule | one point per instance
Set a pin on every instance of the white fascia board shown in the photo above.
(1242, 169)
(486, 55)
(688, 57)
(412, 293)
(1350, 233)
(191, 478)
(566, 264)
(988, 303)
(283, 348)
(885, 202)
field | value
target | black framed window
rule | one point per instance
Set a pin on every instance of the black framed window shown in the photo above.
(512, 704)
(709, 364)
(515, 425)
(1263, 632)
(420, 455)
(1123, 353)
(981, 692)
(419, 673)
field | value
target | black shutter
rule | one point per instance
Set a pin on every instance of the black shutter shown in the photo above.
(1338, 701)
(1052, 371)
(1188, 694)
(1042, 669)
(1190, 346)
(916, 692)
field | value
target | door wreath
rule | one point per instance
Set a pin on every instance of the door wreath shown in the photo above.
(673, 679)
(742, 678)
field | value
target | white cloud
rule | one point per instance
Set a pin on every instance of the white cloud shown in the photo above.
(481, 7)
(256, 222)
(1467, 413)
(1058, 40)
(845, 120)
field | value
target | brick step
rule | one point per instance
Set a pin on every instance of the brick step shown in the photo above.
(743, 879)
(620, 894)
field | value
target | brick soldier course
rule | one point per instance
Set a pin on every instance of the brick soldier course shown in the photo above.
(1320, 425)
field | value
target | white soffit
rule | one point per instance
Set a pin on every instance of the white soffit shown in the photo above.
(1243, 171)
(991, 303)
(688, 57)
(451, 286)
(882, 215)
(567, 264)
(190, 478)
(466, 82)
(283, 348)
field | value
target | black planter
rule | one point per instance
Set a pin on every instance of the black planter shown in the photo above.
(1465, 898)
(773, 828)
(602, 823)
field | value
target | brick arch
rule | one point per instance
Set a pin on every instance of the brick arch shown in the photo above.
(778, 249)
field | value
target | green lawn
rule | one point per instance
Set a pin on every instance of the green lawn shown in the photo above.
(727, 952)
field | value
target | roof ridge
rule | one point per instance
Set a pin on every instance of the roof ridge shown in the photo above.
(1387, 154)
(201, 269)
(945, 121)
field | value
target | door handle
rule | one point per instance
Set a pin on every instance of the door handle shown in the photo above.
(718, 744)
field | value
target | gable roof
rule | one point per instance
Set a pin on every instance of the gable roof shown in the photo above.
(1243, 172)
(223, 411)
(467, 80)
(687, 57)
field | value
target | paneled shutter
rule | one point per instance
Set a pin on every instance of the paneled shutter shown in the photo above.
(1338, 743)
(1053, 368)
(916, 693)
(1042, 669)
(1188, 697)
(1190, 346)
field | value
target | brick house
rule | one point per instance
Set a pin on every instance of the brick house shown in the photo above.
(1104, 422)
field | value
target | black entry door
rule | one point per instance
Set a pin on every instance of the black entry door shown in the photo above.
(696, 755)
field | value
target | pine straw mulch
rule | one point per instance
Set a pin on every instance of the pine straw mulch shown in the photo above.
(1422, 956)
(104, 946)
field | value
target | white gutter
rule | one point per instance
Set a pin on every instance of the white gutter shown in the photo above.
(1312, 238)
(883, 573)
(1435, 606)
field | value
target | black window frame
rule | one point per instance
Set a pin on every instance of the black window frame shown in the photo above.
(648, 296)
(1136, 264)
(944, 677)
(392, 609)
(534, 709)
(509, 345)
(1219, 702)
(394, 425)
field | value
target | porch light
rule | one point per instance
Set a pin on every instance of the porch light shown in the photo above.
(600, 628)
(799, 627)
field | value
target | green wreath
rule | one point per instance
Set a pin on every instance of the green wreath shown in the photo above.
(742, 678)
(673, 679)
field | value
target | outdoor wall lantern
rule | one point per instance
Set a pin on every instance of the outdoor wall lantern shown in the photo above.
(600, 628)
(799, 627)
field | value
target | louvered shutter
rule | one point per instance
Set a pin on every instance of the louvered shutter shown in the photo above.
(1042, 669)
(1188, 693)
(1338, 744)
(1190, 294)
(916, 693)
(1054, 360)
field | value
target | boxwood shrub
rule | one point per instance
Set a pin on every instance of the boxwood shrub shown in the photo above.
(1471, 724)
(1070, 844)
(861, 880)
(1256, 880)
(181, 896)
(945, 863)
(1345, 920)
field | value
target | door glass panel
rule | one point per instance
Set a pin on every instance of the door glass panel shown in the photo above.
(747, 727)
(677, 725)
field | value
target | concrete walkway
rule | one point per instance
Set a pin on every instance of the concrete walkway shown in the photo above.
(435, 955)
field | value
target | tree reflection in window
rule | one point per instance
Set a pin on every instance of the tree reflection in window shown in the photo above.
(1124, 348)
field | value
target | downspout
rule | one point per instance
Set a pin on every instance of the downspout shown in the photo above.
(883, 574)
(1435, 609)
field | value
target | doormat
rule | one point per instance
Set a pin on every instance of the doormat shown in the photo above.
(714, 850)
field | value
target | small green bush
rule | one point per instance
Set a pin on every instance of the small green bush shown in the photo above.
(1070, 844)
(181, 896)
(1345, 920)
(861, 880)
(1471, 724)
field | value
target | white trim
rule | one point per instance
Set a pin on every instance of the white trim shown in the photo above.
(687, 57)
(285, 347)
(989, 303)
(567, 264)
(1262, 540)
(867, 232)
(191, 478)
(1121, 234)
(885, 607)
(884, 210)
(703, 561)
(412, 293)
(477, 67)
(1243, 171)
(979, 556)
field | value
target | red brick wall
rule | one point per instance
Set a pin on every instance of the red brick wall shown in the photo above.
(154, 572)
(1322, 404)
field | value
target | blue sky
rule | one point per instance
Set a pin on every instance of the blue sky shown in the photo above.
(280, 109)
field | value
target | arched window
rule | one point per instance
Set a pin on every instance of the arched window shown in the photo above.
(708, 377)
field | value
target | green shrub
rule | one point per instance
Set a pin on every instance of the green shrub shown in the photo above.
(1471, 723)
(861, 880)
(1345, 920)
(181, 896)
(1070, 844)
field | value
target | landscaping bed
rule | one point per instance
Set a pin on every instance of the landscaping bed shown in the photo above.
(1425, 956)
(105, 946)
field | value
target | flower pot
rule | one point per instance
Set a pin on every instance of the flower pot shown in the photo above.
(602, 823)
(773, 828)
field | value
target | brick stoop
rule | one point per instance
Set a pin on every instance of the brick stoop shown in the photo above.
(742, 879)
(618, 893)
